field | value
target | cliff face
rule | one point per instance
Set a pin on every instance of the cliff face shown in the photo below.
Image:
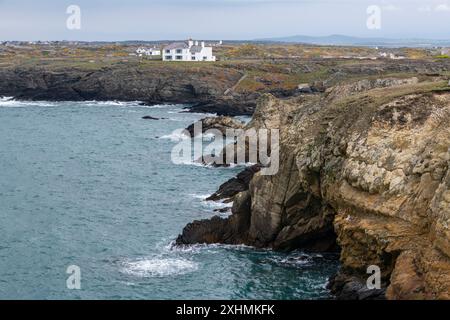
(225, 88)
(364, 165)
(119, 82)
(158, 84)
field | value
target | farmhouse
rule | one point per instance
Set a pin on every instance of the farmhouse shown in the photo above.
(148, 52)
(188, 51)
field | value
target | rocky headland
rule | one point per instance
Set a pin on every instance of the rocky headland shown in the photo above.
(364, 170)
(364, 155)
(223, 88)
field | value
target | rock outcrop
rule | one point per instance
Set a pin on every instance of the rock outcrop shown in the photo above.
(234, 186)
(154, 84)
(365, 170)
(211, 88)
(221, 123)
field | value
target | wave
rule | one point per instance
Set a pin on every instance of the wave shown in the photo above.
(114, 103)
(209, 248)
(199, 196)
(301, 259)
(10, 102)
(218, 204)
(159, 267)
(214, 205)
(176, 136)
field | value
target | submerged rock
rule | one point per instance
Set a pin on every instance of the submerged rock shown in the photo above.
(151, 118)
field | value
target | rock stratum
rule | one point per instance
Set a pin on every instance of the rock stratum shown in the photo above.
(364, 169)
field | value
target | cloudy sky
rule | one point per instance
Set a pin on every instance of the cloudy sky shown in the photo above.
(220, 19)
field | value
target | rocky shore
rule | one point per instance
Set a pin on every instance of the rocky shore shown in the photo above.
(364, 169)
(364, 158)
(223, 88)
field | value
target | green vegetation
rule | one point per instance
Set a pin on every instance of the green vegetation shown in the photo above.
(267, 67)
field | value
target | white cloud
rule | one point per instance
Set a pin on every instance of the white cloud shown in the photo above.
(442, 7)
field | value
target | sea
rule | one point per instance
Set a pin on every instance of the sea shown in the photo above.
(91, 203)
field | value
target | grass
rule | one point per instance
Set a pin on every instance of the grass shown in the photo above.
(380, 96)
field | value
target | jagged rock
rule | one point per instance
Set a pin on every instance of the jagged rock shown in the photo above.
(353, 288)
(226, 106)
(235, 185)
(304, 88)
(221, 123)
(232, 230)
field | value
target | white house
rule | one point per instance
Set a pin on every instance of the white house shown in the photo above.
(148, 52)
(188, 51)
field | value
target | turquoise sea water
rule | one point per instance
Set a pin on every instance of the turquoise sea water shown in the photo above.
(91, 184)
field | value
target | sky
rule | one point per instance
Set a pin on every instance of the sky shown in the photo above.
(114, 20)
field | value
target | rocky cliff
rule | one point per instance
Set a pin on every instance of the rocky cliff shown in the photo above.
(364, 167)
(230, 88)
(203, 87)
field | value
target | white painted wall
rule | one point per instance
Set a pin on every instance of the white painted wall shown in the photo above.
(206, 54)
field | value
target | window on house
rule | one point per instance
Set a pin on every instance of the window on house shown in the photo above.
(167, 51)
(179, 57)
(193, 57)
(179, 51)
(168, 57)
(205, 58)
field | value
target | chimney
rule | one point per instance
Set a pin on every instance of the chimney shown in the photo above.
(203, 44)
(191, 43)
(196, 43)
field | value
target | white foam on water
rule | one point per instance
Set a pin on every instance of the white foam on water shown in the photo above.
(218, 204)
(112, 103)
(176, 136)
(159, 267)
(211, 204)
(162, 106)
(209, 248)
(10, 102)
(199, 196)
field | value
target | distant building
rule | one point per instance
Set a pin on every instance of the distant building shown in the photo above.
(148, 52)
(394, 57)
(391, 56)
(188, 51)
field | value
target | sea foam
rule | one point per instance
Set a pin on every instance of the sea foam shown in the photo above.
(159, 267)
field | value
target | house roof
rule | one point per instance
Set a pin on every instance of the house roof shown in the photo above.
(177, 45)
(196, 49)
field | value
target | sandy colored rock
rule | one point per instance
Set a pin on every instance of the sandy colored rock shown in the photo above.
(369, 170)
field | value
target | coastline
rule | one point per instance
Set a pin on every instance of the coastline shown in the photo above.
(329, 193)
